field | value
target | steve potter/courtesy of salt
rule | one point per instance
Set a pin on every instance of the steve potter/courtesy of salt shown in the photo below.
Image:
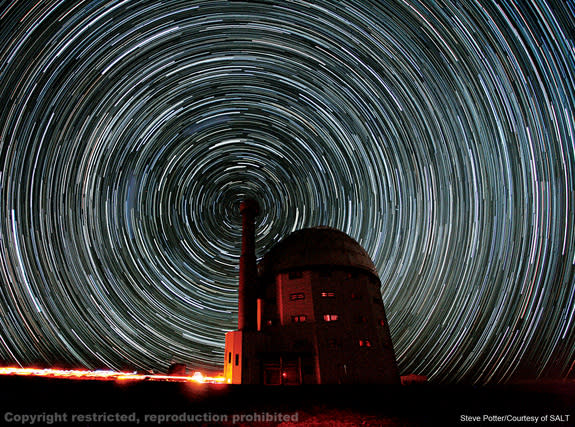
(515, 418)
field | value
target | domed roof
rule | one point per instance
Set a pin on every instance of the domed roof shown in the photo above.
(315, 247)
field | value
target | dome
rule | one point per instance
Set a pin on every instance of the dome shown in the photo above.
(316, 247)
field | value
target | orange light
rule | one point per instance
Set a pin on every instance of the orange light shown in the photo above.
(102, 375)
(198, 377)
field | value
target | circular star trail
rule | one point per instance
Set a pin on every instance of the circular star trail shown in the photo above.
(440, 135)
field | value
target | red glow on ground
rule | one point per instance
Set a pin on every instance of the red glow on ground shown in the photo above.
(197, 377)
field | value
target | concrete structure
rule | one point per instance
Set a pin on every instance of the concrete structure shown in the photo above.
(310, 313)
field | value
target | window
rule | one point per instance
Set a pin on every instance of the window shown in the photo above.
(296, 296)
(290, 372)
(237, 359)
(272, 373)
(364, 343)
(355, 295)
(333, 343)
(330, 317)
(295, 275)
(300, 318)
(381, 322)
(328, 294)
(230, 357)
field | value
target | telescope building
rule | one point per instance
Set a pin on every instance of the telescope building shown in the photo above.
(311, 312)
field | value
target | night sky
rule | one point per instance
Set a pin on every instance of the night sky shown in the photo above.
(438, 134)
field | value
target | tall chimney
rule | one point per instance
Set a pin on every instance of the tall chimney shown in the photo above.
(247, 306)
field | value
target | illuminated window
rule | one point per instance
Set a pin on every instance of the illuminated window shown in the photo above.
(299, 318)
(295, 275)
(364, 343)
(296, 296)
(330, 317)
(328, 294)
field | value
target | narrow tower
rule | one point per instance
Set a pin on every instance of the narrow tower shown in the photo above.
(241, 365)
(249, 209)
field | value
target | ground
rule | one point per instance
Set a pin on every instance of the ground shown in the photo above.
(41, 401)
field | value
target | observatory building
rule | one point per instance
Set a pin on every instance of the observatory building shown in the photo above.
(310, 312)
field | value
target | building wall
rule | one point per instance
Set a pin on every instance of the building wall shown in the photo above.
(242, 364)
(232, 370)
(322, 326)
(351, 334)
(295, 297)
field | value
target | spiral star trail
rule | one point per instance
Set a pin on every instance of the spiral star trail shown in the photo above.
(440, 135)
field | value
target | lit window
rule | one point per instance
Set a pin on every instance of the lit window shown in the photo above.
(330, 317)
(296, 296)
(295, 275)
(299, 318)
(364, 343)
(328, 294)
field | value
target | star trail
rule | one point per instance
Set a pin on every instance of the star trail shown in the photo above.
(438, 134)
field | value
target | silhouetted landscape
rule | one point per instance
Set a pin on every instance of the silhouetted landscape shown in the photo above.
(82, 402)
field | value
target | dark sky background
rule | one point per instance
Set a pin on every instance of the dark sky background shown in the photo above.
(439, 134)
